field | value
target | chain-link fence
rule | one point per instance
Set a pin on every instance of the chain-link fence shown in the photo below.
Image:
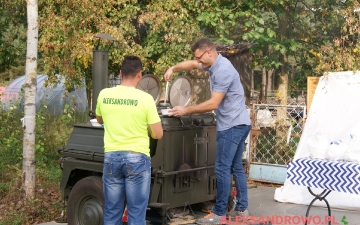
(276, 132)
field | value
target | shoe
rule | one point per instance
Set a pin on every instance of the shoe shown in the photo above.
(211, 219)
(234, 213)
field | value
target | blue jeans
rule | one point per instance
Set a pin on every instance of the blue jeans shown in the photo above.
(230, 146)
(126, 177)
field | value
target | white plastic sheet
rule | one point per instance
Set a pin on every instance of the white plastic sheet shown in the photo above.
(334, 113)
(54, 96)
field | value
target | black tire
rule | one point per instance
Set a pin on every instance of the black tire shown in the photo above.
(85, 205)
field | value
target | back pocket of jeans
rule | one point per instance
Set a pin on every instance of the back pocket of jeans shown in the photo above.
(137, 170)
(107, 169)
(136, 167)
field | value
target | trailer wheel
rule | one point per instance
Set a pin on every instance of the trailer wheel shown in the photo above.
(85, 205)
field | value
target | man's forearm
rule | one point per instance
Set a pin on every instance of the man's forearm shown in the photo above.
(99, 119)
(185, 66)
(206, 106)
(155, 130)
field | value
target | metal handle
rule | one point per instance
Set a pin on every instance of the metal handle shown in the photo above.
(166, 92)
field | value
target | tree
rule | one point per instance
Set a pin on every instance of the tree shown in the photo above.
(157, 31)
(12, 39)
(28, 170)
(342, 53)
(161, 32)
(287, 33)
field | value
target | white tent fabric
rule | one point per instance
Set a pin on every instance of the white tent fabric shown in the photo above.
(334, 113)
(54, 96)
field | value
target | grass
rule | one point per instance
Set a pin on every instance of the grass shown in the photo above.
(52, 133)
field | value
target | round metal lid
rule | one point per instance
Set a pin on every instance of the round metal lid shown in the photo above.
(181, 91)
(151, 84)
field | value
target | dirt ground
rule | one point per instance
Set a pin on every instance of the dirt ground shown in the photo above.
(46, 206)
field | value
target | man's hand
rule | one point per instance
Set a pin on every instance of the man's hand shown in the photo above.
(182, 66)
(207, 106)
(178, 111)
(168, 74)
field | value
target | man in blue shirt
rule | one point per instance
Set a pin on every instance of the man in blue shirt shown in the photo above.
(233, 124)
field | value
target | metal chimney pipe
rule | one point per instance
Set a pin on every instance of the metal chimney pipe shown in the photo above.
(100, 78)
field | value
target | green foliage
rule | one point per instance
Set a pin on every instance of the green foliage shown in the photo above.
(304, 37)
(157, 31)
(40, 130)
(12, 39)
(343, 53)
(52, 133)
(11, 134)
(68, 114)
(305, 34)
(219, 17)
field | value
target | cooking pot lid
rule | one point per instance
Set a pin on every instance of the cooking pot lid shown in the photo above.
(151, 84)
(181, 91)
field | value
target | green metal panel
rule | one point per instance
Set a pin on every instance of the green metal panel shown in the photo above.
(86, 139)
(71, 164)
(182, 161)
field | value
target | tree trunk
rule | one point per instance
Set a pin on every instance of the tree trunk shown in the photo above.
(270, 80)
(28, 170)
(282, 123)
(283, 75)
(252, 83)
(292, 76)
(263, 86)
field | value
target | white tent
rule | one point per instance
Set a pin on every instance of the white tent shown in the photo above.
(54, 96)
(335, 113)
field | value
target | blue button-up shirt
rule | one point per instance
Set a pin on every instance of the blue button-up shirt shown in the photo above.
(224, 78)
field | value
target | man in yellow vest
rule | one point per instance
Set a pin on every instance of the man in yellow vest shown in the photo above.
(129, 116)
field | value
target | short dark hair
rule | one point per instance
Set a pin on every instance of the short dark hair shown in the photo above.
(203, 43)
(131, 66)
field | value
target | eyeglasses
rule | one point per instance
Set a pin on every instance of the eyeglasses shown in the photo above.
(198, 58)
